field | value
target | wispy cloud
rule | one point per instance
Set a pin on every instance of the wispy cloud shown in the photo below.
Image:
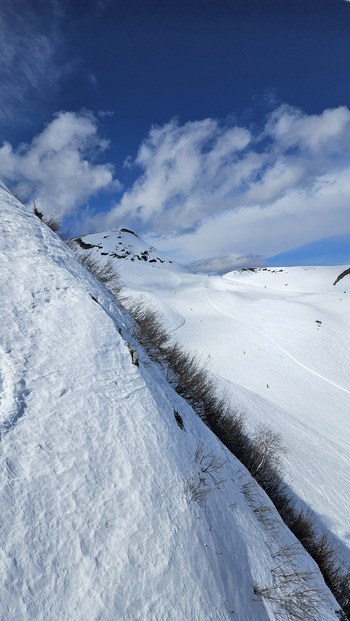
(58, 169)
(30, 42)
(208, 189)
(226, 263)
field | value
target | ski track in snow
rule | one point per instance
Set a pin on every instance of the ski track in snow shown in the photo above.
(279, 290)
(277, 345)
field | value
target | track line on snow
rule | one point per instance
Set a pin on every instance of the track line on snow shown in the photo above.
(280, 290)
(278, 346)
(181, 324)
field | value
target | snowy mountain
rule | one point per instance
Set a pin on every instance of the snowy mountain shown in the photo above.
(279, 340)
(124, 244)
(103, 465)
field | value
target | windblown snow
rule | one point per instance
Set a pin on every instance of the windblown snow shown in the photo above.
(97, 511)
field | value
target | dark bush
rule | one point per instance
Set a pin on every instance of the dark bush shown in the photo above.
(148, 330)
(105, 273)
(53, 223)
(38, 213)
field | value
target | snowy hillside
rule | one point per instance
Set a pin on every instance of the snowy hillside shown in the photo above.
(125, 245)
(98, 506)
(279, 340)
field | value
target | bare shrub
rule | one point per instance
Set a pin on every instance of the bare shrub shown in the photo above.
(229, 427)
(209, 464)
(288, 551)
(149, 331)
(264, 459)
(302, 525)
(38, 213)
(207, 478)
(191, 380)
(294, 593)
(198, 489)
(105, 272)
(54, 223)
(266, 451)
(320, 547)
(266, 515)
(336, 575)
(250, 491)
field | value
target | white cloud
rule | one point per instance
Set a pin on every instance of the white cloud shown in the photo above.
(29, 60)
(208, 190)
(300, 216)
(317, 132)
(58, 170)
(226, 263)
(186, 169)
(205, 189)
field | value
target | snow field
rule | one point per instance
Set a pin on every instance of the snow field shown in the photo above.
(282, 352)
(97, 516)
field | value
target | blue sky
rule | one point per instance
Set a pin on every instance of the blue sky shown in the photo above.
(218, 129)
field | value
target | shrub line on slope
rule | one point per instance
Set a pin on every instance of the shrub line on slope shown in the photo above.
(260, 454)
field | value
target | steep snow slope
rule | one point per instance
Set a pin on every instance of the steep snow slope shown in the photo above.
(98, 520)
(279, 339)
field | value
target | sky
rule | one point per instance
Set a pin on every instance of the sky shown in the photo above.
(218, 130)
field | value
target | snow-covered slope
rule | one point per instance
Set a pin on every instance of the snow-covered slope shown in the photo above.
(279, 339)
(124, 244)
(97, 487)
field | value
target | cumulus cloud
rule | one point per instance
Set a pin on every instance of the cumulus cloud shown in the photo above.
(186, 170)
(30, 47)
(299, 217)
(205, 188)
(315, 133)
(208, 189)
(58, 169)
(226, 263)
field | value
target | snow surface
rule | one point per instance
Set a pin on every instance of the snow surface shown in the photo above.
(98, 521)
(279, 340)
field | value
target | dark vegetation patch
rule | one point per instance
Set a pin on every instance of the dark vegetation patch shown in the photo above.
(120, 256)
(84, 245)
(105, 273)
(179, 419)
(54, 223)
(38, 213)
(207, 477)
